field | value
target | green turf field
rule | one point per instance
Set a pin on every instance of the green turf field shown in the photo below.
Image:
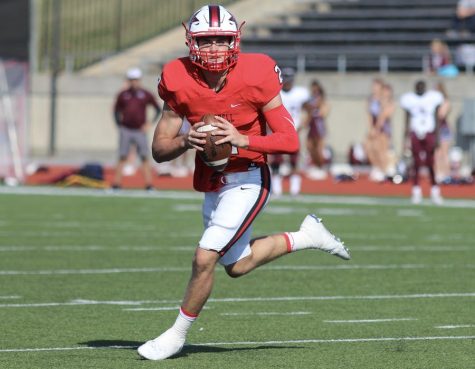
(85, 279)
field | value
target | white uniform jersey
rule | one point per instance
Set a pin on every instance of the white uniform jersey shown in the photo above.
(421, 109)
(293, 101)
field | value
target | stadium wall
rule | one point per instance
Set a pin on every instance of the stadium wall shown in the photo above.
(85, 122)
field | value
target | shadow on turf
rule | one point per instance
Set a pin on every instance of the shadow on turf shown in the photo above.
(187, 350)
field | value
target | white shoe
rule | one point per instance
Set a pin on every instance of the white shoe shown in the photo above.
(376, 175)
(164, 346)
(322, 239)
(129, 170)
(316, 174)
(435, 195)
(416, 197)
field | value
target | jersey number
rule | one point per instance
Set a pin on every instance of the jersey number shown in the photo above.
(279, 73)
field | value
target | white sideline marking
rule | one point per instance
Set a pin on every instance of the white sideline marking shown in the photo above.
(339, 340)
(455, 326)
(245, 299)
(252, 343)
(12, 297)
(102, 234)
(412, 248)
(81, 248)
(265, 268)
(192, 195)
(164, 308)
(409, 213)
(264, 313)
(369, 320)
(93, 271)
(157, 248)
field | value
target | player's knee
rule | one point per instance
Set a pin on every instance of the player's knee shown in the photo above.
(203, 262)
(234, 272)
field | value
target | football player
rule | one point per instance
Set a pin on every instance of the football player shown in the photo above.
(242, 90)
(422, 130)
(293, 98)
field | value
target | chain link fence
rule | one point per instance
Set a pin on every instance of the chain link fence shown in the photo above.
(90, 30)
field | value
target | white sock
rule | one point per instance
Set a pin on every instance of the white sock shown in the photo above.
(297, 241)
(435, 190)
(277, 185)
(295, 184)
(183, 323)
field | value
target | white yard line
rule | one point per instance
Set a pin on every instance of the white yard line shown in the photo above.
(191, 195)
(93, 271)
(412, 248)
(82, 248)
(369, 320)
(265, 268)
(455, 326)
(82, 302)
(164, 308)
(270, 313)
(11, 297)
(252, 343)
(184, 248)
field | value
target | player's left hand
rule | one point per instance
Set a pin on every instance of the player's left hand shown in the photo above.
(232, 134)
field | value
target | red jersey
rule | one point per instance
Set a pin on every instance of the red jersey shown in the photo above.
(250, 84)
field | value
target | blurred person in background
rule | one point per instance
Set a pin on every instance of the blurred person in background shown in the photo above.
(130, 114)
(317, 109)
(442, 163)
(421, 134)
(293, 98)
(381, 108)
(463, 23)
(439, 55)
(440, 59)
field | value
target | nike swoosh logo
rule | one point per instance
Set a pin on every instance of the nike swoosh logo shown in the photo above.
(235, 105)
(245, 188)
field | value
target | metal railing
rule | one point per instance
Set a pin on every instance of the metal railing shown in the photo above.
(93, 29)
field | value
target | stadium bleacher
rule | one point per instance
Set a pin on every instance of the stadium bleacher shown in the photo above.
(366, 35)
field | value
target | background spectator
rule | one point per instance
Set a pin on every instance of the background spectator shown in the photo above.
(442, 164)
(440, 59)
(130, 113)
(421, 126)
(463, 22)
(293, 98)
(439, 55)
(377, 144)
(317, 110)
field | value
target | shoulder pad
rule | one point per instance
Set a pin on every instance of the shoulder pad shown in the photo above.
(173, 74)
(256, 68)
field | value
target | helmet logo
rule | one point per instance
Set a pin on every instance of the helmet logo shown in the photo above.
(214, 19)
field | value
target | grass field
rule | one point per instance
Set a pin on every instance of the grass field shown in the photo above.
(86, 279)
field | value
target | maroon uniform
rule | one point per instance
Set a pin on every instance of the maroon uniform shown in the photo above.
(131, 104)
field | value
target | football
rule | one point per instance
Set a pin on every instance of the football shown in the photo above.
(214, 156)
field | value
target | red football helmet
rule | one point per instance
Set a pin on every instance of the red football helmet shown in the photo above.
(212, 21)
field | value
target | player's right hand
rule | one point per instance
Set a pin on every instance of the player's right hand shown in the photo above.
(195, 139)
